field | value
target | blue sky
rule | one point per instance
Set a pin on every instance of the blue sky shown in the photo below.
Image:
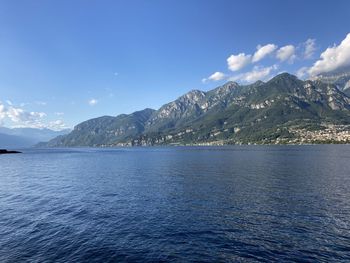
(63, 62)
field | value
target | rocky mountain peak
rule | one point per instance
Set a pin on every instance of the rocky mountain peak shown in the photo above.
(226, 88)
(193, 96)
(284, 77)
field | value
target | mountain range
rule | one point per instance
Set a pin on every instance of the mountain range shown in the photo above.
(26, 137)
(284, 109)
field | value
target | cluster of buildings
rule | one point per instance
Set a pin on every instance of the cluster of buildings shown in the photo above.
(329, 134)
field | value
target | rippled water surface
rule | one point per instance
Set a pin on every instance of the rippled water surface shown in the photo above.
(228, 204)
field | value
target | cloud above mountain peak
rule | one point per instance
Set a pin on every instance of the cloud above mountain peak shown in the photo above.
(333, 58)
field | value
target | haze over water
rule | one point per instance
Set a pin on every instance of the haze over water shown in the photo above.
(257, 203)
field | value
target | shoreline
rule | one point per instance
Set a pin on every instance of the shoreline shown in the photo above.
(186, 145)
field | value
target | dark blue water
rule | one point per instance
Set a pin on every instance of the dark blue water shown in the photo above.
(229, 204)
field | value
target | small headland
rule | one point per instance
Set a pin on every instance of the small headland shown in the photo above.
(4, 151)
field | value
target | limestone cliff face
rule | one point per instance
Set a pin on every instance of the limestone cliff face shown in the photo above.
(341, 80)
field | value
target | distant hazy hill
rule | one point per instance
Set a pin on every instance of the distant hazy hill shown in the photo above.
(12, 141)
(282, 110)
(26, 137)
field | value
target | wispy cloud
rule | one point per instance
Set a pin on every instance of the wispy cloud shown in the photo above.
(57, 125)
(263, 51)
(302, 72)
(92, 102)
(216, 76)
(309, 48)
(286, 53)
(258, 73)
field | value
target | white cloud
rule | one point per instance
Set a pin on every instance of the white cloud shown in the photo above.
(286, 53)
(59, 113)
(57, 125)
(93, 102)
(9, 102)
(263, 51)
(302, 72)
(237, 62)
(333, 58)
(258, 73)
(29, 119)
(216, 76)
(309, 48)
(2, 113)
(19, 115)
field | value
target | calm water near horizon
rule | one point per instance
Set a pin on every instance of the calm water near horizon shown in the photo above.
(180, 204)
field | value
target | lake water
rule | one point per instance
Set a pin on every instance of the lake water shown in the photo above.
(179, 204)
